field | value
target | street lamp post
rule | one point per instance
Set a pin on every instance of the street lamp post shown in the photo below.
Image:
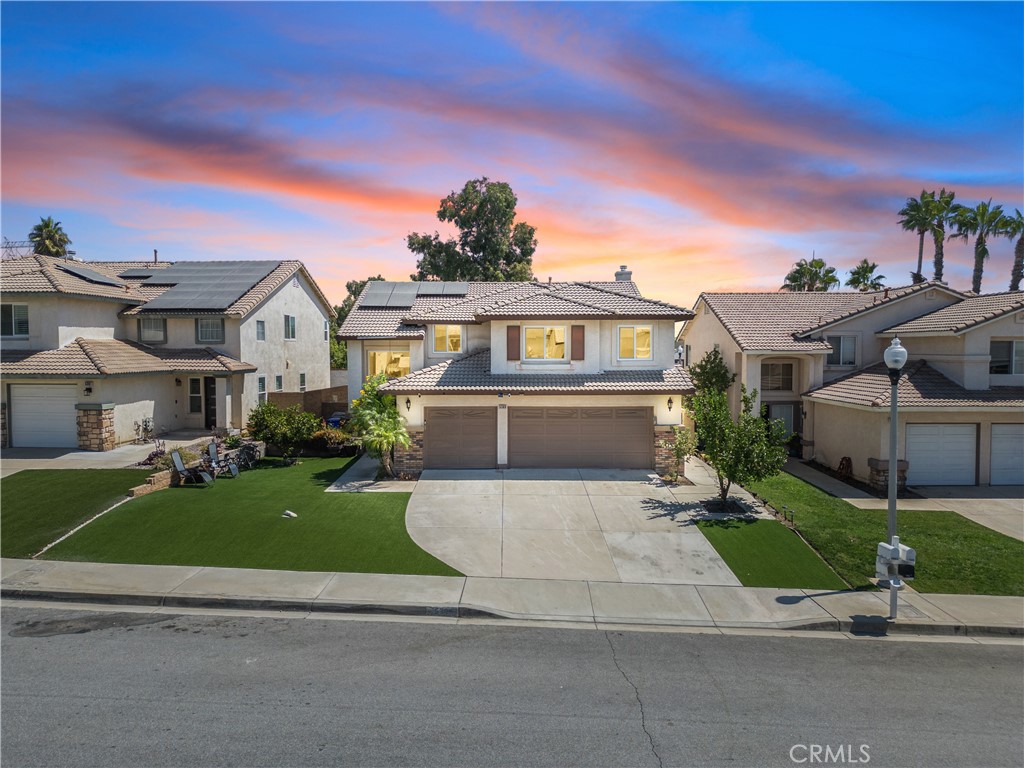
(895, 358)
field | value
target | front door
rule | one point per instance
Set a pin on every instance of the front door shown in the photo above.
(210, 402)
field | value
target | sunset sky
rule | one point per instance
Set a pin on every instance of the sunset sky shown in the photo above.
(707, 146)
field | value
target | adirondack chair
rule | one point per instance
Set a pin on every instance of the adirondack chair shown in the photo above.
(195, 476)
(219, 465)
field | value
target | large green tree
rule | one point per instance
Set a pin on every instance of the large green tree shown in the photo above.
(741, 450)
(863, 277)
(1014, 227)
(916, 216)
(491, 244)
(339, 349)
(49, 238)
(813, 275)
(980, 222)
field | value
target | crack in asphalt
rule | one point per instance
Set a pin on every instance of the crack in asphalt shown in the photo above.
(636, 692)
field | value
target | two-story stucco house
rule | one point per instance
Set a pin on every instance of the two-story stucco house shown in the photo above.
(816, 361)
(523, 374)
(91, 349)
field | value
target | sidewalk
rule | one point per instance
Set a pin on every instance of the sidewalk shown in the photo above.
(583, 602)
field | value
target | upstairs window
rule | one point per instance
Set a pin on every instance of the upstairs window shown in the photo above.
(289, 326)
(1006, 356)
(302, 382)
(844, 350)
(447, 338)
(261, 389)
(261, 330)
(327, 330)
(544, 342)
(776, 377)
(209, 330)
(392, 363)
(635, 342)
(152, 330)
(279, 383)
(14, 320)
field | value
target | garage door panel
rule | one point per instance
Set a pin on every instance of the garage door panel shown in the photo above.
(941, 454)
(1007, 454)
(44, 416)
(581, 437)
(464, 438)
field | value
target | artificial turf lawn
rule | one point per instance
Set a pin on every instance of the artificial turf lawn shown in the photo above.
(238, 523)
(954, 555)
(765, 553)
(41, 505)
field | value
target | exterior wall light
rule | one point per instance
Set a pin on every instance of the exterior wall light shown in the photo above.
(670, 405)
(408, 404)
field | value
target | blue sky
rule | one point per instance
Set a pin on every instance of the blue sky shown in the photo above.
(708, 146)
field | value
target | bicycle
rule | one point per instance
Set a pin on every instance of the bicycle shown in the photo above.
(249, 456)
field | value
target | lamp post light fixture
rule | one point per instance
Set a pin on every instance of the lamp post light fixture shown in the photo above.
(895, 357)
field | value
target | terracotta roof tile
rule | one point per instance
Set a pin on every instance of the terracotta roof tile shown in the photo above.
(963, 315)
(472, 374)
(920, 386)
(45, 274)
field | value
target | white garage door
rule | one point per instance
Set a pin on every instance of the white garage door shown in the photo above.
(43, 416)
(1007, 454)
(941, 454)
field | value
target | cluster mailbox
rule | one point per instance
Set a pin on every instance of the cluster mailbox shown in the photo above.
(895, 562)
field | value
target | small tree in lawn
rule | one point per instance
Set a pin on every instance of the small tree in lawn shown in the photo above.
(743, 450)
(682, 444)
(287, 428)
(378, 425)
(711, 373)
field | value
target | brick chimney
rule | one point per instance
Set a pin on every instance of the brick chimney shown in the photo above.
(623, 275)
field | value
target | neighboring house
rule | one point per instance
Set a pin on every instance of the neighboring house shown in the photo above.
(816, 361)
(523, 374)
(90, 349)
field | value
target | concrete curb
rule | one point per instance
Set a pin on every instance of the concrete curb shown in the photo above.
(864, 627)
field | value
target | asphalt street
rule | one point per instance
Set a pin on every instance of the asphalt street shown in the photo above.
(111, 689)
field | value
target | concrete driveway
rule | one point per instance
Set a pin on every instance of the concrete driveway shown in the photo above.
(567, 524)
(999, 507)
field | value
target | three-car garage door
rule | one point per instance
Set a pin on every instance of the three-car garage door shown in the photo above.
(44, 416)
(1007, 454)
(460, 438)
(621, 438)
(942, 454)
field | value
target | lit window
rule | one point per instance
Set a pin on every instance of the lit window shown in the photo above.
(776, 377)
(261, 330)
(1006, 357)
(392, 363)
(447, 338)
(302, 382)
(261, 389)
(635, 342)
(279, 383)
(195, 396)
(152, 330)
(209, 330)
(289, 326)
(844, 350)
(14, 320)
(545, 342)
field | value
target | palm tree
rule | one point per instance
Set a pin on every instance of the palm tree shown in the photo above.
(940, 208)
(810, 275)
(49, 237)
(917, 217)
(1014, 227)
(863, 277)
(982, 222)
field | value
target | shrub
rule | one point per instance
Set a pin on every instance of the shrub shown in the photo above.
(327, 438)
(231, 442)
(682, 444)
(377, 424)
(287, 428)
(166, 462)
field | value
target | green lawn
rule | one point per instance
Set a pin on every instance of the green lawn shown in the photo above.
(41, 505)
(954, 554)
(765, 553)
(237, 523)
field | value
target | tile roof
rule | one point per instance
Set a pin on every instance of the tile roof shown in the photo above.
(472, 374)
(488, 301)
(113, 357)
(920, 386)
(778, 321)
(46, 274)
(962, 316)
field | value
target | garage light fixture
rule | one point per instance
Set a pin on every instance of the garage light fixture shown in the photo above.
(670, 405)
(408, 404)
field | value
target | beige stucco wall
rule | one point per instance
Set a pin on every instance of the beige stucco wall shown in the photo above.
(863, 434)
(55, 321)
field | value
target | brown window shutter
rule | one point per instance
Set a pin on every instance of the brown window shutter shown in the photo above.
(579, 335)
(512, 342)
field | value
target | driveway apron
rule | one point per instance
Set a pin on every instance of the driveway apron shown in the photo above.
(566, 524)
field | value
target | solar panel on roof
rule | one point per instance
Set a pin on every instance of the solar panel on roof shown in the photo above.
(430, 288)
(403, 295)
(377, 294)
(209, 285)
(136, 272)
(91, 275)
(455, 289)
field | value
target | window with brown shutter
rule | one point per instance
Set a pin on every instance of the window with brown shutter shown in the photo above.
(579, 335)
(512, 342)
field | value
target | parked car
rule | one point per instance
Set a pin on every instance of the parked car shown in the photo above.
(335, 419)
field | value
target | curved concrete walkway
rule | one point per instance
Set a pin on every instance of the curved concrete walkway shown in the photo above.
(569, 524)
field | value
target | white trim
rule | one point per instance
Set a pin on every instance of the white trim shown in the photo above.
(618, 343)
(447, 337)
(564, 359)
